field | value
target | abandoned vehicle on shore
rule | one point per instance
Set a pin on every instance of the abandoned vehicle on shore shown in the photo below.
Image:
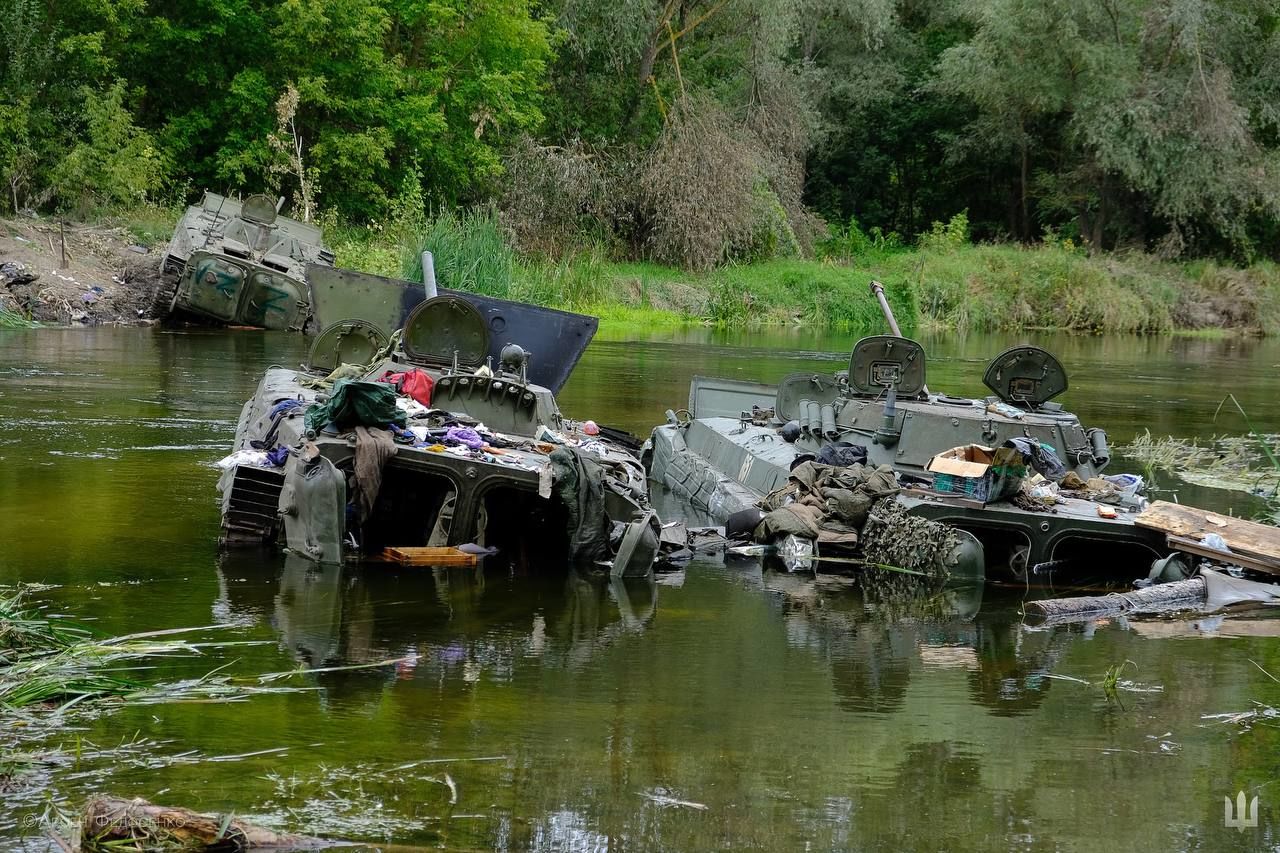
(240, 263)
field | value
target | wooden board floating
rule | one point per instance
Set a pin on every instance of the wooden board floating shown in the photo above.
(1259, 544)
(414, 556)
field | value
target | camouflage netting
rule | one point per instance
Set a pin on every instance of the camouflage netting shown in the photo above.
(894, 538)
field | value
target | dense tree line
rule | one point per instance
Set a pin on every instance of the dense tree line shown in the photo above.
(692, 131)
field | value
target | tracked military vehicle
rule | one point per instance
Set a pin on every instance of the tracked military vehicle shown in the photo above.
(448, 433)
(240, 263)
(738, 442)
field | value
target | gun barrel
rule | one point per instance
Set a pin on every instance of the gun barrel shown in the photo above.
(878, 289)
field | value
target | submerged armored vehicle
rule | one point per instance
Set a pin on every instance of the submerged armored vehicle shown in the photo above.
(437, 434)
(240, 263)
(738, 442)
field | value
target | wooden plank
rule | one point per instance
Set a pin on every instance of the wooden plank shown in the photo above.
(1261, 541)
(415, 556)
(1244, 561)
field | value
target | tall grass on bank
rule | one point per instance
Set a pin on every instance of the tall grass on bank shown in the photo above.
(772, 293)
(11, 320)
(988, 287)
(468, 250)
(945, 282)
(470, 253)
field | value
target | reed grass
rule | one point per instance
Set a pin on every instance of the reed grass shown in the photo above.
(468, 250)
(53, 665)
(12, 320)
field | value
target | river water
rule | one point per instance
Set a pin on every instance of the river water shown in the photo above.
(725, 707)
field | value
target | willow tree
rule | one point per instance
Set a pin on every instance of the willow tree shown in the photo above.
(1126, 114)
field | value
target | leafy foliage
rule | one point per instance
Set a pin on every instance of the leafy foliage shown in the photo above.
(117, 163)
(694, 132)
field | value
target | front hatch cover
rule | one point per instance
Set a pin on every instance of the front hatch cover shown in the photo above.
(445, 325)
(345, 342)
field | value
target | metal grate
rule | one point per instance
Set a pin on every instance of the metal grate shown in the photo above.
(252, 508)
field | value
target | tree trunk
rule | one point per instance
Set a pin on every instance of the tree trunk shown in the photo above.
(1095, 240)
(1083, 223)
(648, 59)
(1025, 229)
(1153, 599)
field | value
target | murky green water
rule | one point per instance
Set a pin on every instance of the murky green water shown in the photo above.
(722, 708)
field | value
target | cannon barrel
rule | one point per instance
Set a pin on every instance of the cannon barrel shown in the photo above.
(878, 290)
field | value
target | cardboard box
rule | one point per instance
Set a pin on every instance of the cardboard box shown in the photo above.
(983, 473)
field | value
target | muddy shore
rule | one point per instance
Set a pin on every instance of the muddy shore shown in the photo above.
(76, 274)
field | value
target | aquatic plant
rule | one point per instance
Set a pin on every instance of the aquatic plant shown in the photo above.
(1111, 678)
(54, 665)
(1221, 462)
(1247, 463)
(11, 320)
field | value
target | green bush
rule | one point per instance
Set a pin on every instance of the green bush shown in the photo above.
(948, 237)
(117, 164)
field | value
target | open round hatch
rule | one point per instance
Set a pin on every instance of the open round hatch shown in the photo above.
(887, 361)
(442, 326)
(1025, 376)
(346, 342)
(258, 208)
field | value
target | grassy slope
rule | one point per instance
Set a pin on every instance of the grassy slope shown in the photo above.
(1010, 287)
(973, 287)
(961, 287)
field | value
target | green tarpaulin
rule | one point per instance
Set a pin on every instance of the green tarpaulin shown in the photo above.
(355, 404)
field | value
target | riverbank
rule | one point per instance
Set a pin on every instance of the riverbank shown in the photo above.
(940, 285)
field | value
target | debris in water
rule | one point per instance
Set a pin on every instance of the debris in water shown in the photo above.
(665, 800)
(113, 824)
(1259, 715)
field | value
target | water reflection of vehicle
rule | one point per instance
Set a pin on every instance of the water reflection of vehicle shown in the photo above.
(876, 635)
(447, 621)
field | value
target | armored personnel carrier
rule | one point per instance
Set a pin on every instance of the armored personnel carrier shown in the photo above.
(240, 263)
(430, 423)
(738, 442)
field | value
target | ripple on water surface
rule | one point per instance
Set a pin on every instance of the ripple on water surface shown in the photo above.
(727, 707)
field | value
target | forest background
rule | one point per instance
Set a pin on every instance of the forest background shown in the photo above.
(1104, 165)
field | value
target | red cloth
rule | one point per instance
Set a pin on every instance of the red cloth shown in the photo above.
(415, 383)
